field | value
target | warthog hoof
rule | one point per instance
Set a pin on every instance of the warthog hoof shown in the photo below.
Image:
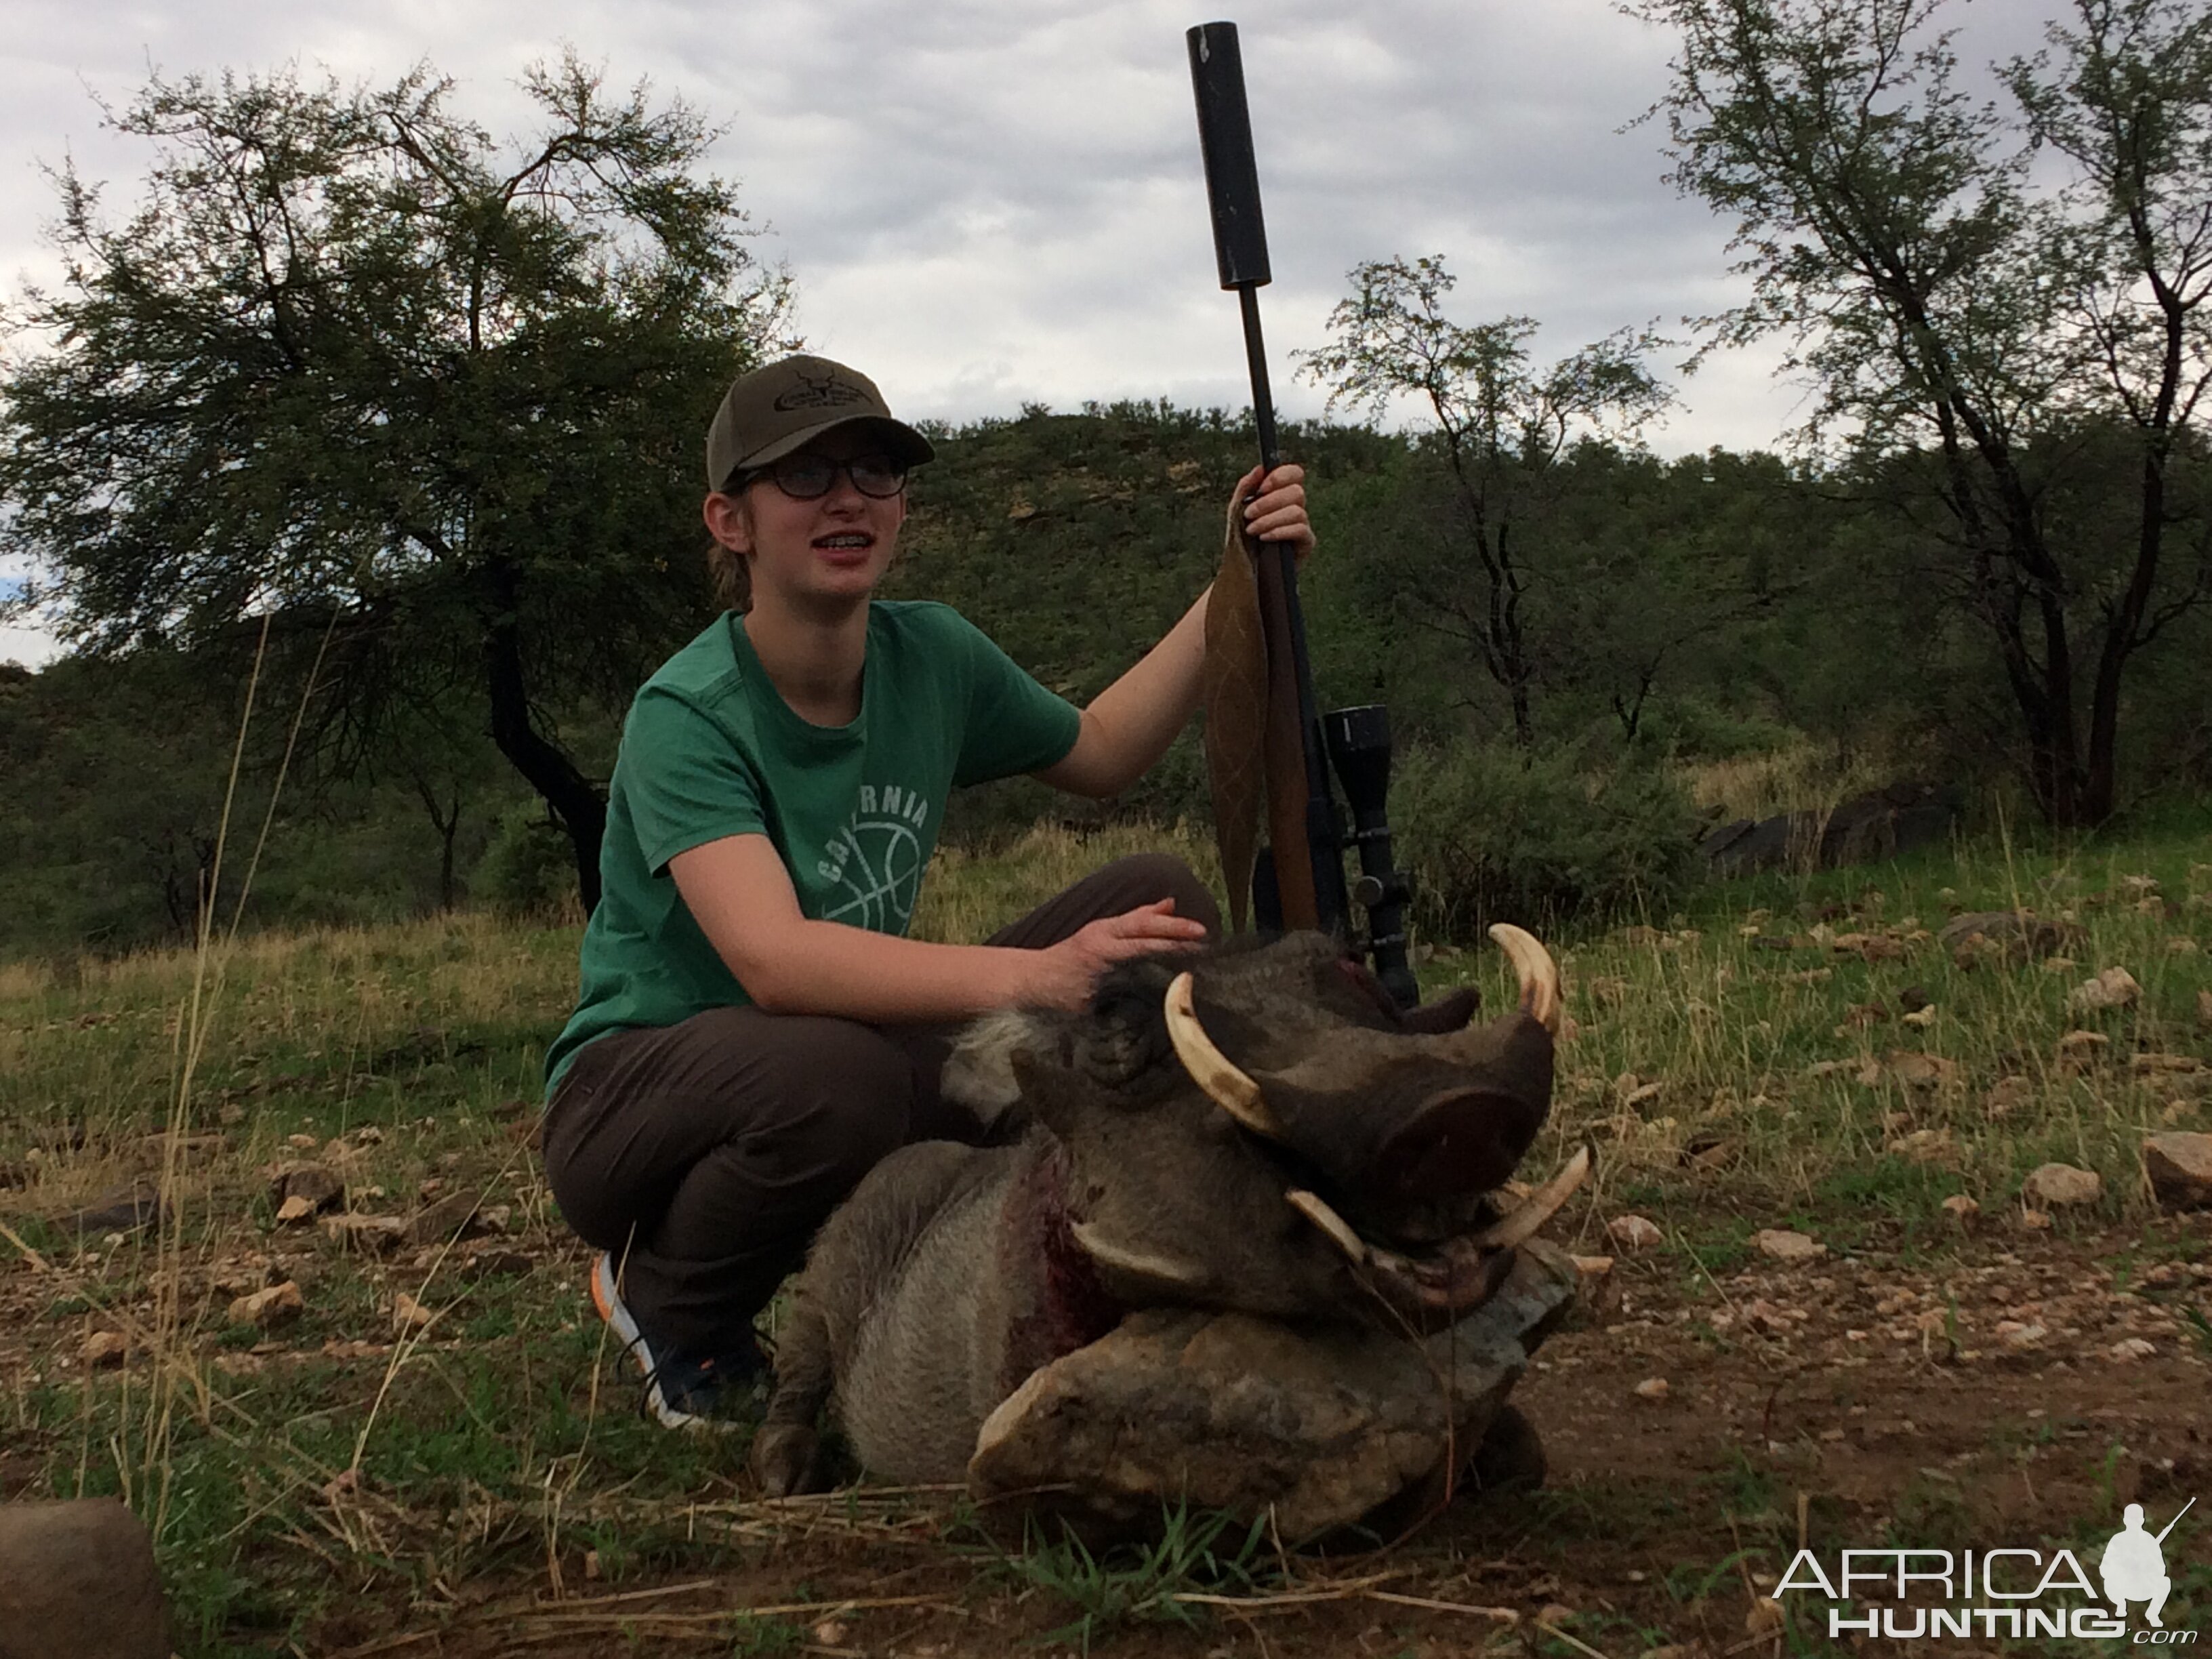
(786, 1459)
(1511, 1454)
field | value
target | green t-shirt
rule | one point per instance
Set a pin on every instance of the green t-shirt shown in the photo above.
(711, 748)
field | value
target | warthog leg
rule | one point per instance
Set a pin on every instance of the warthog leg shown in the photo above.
(786, 1457)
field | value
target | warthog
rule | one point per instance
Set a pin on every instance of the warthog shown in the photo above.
(1256, 1132)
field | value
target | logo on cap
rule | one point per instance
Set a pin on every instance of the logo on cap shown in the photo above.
(826, 392)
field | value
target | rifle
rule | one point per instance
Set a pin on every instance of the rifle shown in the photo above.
(1299, 879)
(2176, 1522)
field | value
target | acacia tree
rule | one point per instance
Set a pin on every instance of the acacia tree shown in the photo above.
(1973, 325)
(430, 401)
(1499, 428)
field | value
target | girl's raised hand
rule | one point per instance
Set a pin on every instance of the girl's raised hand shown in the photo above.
(1276, 509)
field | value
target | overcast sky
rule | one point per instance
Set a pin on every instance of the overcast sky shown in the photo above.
(986, 203)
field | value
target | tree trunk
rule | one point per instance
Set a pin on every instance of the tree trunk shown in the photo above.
(2123, 624)
(447, 821)
(2058, 759)
(573, 798)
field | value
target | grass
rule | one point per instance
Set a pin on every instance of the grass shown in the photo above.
(1750, 1033)
(1197, 1555)
(1737, 1065)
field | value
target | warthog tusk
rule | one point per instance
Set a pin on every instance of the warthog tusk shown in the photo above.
(1311, 1206)
(1163, 1269)
(1539, 973)
(1527, 1218)
(1226, 1086)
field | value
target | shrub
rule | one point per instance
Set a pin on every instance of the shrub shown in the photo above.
(528, 869)
(1490, 836)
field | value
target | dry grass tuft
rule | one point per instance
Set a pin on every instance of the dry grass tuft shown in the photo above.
(1802, 778)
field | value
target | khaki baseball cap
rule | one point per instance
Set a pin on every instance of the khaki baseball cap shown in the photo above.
(787, 404)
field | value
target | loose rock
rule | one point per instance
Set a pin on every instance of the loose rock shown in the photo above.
(294, 1210)
(79, 1578)
(1927, 1146)
(2007, 1095)
(374, 1234)
(2154, 1065)
(1781, 1244)
(454, 1216)
(1652, 1388)
(103, 1349)
(2061, 1186)
(2115, 988)
(1917, 1071)
(2014, 936)
(280, 1304)
(410, 1316)
(2079, 1046)
(2179, 1166)
(1634, 1232)
(1962, 1206)
(318, 1185)
(124, 1209)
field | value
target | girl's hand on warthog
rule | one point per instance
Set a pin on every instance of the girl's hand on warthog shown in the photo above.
(1067, 971)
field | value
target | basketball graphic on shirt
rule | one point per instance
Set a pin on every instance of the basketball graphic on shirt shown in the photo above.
(876, 860)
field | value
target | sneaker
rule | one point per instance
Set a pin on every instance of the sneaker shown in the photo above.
(682, 1391)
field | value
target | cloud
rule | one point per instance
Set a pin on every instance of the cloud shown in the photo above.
(987, 202)
(30, 647)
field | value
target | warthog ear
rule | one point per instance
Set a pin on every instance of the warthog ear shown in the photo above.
(1445, 1015)
(979, 1073)
(1463, 1141)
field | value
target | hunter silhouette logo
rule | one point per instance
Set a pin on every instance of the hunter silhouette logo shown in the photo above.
(819, 392)
(2134, 1565)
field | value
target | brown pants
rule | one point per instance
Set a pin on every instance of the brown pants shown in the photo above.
(709, 1152)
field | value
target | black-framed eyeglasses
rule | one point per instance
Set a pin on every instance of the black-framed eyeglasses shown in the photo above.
(806, 478)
